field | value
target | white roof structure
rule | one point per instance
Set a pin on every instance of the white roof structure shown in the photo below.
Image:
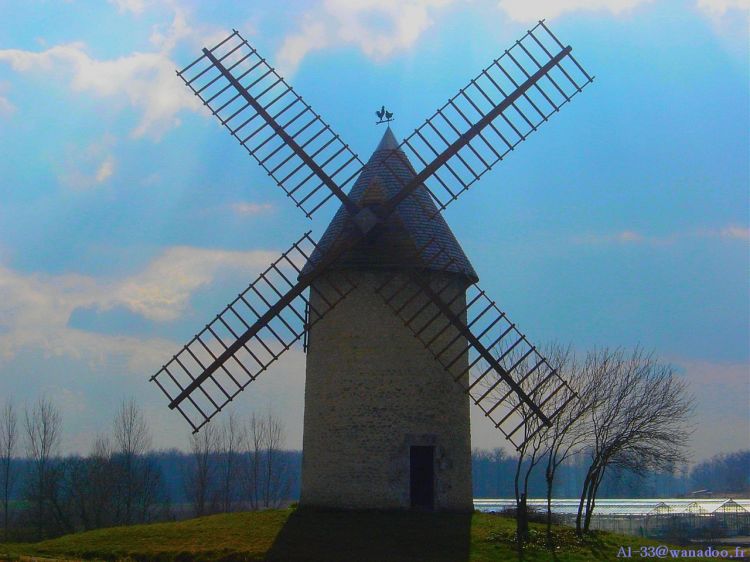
(625, 507)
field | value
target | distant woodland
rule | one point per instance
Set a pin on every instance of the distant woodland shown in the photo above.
(493, 473)
(722, 474)
(239, 464)
(493, 477)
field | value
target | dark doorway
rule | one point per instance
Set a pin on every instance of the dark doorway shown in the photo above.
(422, 477)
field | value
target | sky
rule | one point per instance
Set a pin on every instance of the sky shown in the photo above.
(128, 217)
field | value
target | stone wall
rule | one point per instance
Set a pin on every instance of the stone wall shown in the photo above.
(372, 390)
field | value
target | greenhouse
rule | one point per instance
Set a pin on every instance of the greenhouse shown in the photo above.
(657, 518)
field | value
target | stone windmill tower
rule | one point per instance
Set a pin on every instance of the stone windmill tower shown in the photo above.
(400, 339)
(380, 413)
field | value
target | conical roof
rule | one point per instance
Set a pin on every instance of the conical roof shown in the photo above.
(411, 226)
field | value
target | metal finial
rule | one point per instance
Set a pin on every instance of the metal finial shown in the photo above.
(384, 116)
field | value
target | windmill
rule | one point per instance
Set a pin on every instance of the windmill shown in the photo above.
(397, 331)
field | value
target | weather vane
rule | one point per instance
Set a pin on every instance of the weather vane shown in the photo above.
(384, 116)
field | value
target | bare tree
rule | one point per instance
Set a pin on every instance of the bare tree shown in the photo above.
(8, 443)
(638, 419)
(101, 483)
(255, 437)
(276, 486)
(153, 497)
(267, 477)
(499, 456)
(230, 443)
(200, 480)
(43, 425)
(92, 483)
(569, 431)
(534, 445)
(132, 441)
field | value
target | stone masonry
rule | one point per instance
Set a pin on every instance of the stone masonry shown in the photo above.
(372, 391)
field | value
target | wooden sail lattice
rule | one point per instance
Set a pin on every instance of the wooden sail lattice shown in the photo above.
(299, 150)
(252, 332)
(476, 342)
(496, 111)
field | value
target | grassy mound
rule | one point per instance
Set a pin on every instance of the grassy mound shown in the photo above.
(289, 535)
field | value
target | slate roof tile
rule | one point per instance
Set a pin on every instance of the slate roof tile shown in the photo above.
(408, 228)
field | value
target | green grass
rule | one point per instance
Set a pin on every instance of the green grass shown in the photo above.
(290, 535)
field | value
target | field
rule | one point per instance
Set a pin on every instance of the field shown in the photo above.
(291, 535)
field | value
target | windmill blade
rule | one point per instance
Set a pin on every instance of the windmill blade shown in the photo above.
(495, 112)
(506, 376)
(252, 332)
(282, 132)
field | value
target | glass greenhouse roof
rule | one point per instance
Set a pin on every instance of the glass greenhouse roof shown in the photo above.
(625, 507)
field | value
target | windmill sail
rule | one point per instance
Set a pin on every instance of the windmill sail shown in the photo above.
(252, 331)
(496, 111)
(506, 376)
(282, 132)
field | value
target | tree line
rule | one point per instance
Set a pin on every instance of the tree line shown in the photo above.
(494, 474)
(726, 472)
(122, 481)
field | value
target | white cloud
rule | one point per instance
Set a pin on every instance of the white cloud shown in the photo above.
(145, 81)
(162, 291)
(6, 108)
(533, 10)
(730, 21)
(35, 309)
(134, 6)
(313, 36)
(142, 80)
(178, 30)
(377, 27)
(86, 168)
(736, 232)
(105, 170)
(247, 209)
(720, 7)
(380, 28)
(34, 312)
(722, 13)
(632, 237)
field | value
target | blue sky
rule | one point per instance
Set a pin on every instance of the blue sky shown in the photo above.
(128, 216)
